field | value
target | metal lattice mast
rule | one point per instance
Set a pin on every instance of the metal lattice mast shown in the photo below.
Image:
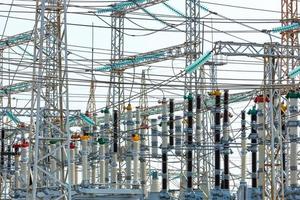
(289, 15)
(116, 87)
(273, 135)
(193, 35)
(91, 104)
(143, 104)
(52, 126)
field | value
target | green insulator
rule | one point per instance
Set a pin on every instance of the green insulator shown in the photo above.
(105, 110)
(252, 111)
(102, 140)
(53, 141)
(190, 96)
(293, 95)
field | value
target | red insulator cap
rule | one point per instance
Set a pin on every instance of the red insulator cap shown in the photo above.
(24, 144)
(16, 146)
(261, 99)
(72, 145)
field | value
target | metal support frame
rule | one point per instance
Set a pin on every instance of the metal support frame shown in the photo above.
(273, 140)
(193, 51)
(53, 73)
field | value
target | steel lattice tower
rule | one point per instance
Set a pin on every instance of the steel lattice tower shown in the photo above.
(193, 36)
(52, 124)
(116, 87)
(289, 15)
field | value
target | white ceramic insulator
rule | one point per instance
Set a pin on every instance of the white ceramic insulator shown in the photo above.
(73, 167)
(136, 170)
(24, 167)
(84, 152)
(261, 147)
(102, 164)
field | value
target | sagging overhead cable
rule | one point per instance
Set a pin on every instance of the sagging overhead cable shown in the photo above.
(199, 62)
(177, 12)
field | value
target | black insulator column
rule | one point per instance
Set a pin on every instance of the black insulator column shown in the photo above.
(217, 138)
(164, 146)
(9, 154)
(171, 123)
(189, 154)
(164, 172)
(226, 142)
(253, 137)
(115, 127)
(198, 120)
(284, 147)
(2, 147)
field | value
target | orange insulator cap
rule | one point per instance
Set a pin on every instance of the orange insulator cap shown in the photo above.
(136, 137)
(85, 137)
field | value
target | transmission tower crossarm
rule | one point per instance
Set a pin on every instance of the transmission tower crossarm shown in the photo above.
(150, 57)
(16, 40)
(252, 49)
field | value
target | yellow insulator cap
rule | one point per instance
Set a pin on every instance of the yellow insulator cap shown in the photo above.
(283, 107)
(129, 108)
(216, 93)
(84, 137)
(136, 137)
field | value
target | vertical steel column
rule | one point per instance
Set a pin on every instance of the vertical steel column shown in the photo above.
(143, 102)
(116, 87)
(293, 135)
(193, 39)
(217, 139)
(53, 120)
